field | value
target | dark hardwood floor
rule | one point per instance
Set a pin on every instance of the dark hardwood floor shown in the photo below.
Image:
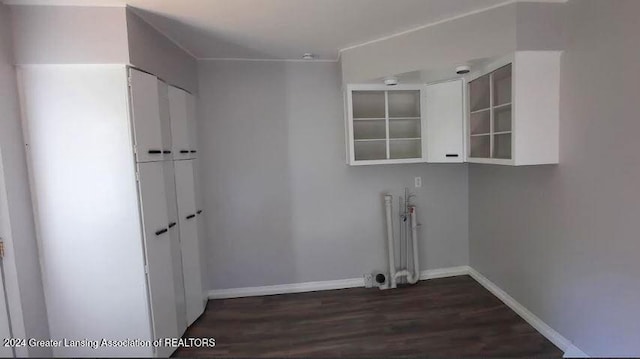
(449, 317)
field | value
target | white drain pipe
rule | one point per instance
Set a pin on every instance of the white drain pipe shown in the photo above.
(412, 276)
(414, 239)
(392, 265)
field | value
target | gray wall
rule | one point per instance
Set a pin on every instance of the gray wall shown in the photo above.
(70, 35)
(564, 240)
(282, 205)
(153, 52)
(22, 269)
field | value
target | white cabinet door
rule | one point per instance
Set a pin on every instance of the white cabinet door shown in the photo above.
(189, 239)
(145, 112)
(192, 125)
(445, 122)
(165, 119)
(202, 234)
(180, 132)
(158, 252)
(176, 252)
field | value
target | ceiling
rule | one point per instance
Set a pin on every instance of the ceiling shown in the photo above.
(281, 29)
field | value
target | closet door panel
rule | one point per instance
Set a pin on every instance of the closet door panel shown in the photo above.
(179, 113)
(185, 188)
(176, 252)
(192, 125)
(165, 120)
(145, 112)
(158, 251)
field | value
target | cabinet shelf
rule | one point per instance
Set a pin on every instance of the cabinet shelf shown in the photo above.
(369, 119)
(497, 107)
(404, 118)
(480, 110)
(370, 139)
(480, 134)
(406, 139)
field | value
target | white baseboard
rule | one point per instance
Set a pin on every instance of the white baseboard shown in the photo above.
(322, 285)
(286, 288)
(444, 272)
(570, 350)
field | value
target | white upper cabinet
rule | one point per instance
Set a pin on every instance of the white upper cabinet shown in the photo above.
(182, 112)
(145, 112)
(513, 106)
(385, 126)
(405, 123)
(445, 126)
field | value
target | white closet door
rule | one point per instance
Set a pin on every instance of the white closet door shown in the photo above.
(158, 252)
(176, 252)
(192, 125)
(165, 119)
(445, 121)
(180, 133)
(202, 234)
(145, 112)
(189, 240)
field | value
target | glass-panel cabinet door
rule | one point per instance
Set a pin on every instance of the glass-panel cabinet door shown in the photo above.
(490, 115)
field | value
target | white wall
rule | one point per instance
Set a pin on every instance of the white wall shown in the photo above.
(70, 35)
(155, 53)
(485, 34)
(98, 35)
(282, 205)
(564, 240)
(22, 269)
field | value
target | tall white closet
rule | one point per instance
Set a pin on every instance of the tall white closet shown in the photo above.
(111, 153)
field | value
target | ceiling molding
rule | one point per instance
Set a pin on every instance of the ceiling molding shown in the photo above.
(263, 60)
(421, 27)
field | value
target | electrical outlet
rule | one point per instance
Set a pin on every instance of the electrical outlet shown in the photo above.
(368, 280)
(418, 182)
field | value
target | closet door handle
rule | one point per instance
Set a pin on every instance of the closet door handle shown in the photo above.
(199, 211)
(451, 155)
(193, 151)
(190, 216)
(162, 231)
(154, 152)
(172, 224)
(184, 151)
(166, 151)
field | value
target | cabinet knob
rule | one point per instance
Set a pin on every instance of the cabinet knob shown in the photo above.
(163, 230)
(190, 216)
(184, 151)
(155, 152)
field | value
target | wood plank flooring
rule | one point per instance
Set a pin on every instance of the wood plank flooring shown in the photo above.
(449, 317)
